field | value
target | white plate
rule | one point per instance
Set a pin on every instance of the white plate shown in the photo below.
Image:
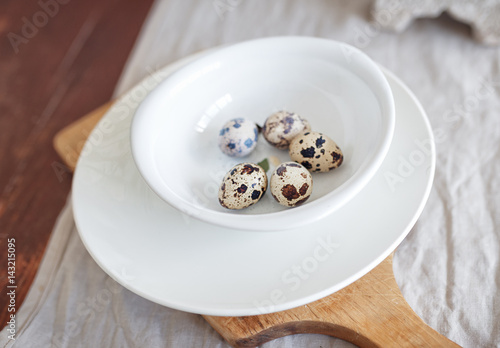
(336, 87)
(169, 258)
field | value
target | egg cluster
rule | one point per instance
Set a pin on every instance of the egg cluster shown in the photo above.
(291, 182)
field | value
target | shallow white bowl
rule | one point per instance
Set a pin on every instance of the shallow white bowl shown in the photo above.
(336, 87)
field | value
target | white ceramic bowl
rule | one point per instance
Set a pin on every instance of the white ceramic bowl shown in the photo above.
(336, 87)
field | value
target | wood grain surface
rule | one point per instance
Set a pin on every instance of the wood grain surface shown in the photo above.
(57, 63)
(371, 312)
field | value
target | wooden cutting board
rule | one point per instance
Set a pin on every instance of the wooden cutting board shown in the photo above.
(371, 312)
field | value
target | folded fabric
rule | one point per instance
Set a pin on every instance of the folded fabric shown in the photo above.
(482, 16)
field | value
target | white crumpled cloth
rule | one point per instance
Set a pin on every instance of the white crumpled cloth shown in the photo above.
(481, 15)
(448, 267)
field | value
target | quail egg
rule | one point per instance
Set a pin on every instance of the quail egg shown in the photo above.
(238, 137)
(291, 184)
(242, 186)
(281, 127)
(315, 151)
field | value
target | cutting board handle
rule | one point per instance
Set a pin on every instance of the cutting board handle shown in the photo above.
(371, 312)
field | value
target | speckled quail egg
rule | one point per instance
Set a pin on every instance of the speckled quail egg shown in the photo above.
(315, 151)
(242, 186)
(238, 137)
(281, 127)
(291, 184)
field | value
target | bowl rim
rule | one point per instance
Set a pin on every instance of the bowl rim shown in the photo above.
(298, 216)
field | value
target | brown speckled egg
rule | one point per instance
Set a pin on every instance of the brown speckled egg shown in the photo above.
(315, 151)
(291, 184)
(242, 186)
(281, 127)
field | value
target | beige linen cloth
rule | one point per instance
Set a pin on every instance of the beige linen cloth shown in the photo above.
(448, 267)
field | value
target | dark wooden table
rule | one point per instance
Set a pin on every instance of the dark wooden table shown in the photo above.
(59, 59)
